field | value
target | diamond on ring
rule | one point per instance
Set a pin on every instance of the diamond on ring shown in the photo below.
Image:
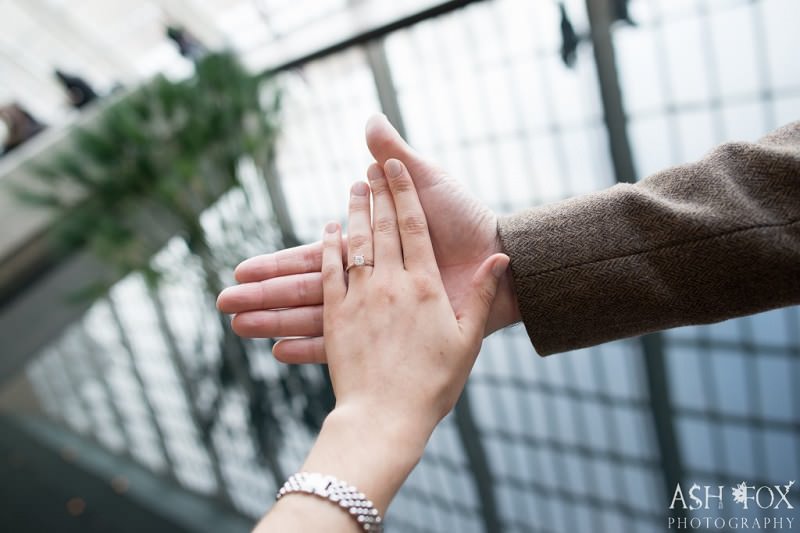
(359, 261)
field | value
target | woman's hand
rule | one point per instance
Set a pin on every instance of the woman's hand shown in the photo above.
(395, 347)
(397, 352)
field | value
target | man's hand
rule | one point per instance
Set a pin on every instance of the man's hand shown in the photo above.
(281, 293)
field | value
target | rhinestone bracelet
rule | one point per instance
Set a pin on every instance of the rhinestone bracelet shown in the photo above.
(345, 496)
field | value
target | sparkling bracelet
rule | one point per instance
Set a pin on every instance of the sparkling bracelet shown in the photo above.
(345, 496)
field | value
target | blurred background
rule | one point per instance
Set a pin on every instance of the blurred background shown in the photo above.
(150, 146)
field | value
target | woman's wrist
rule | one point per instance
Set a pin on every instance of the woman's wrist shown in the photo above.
(373, 452)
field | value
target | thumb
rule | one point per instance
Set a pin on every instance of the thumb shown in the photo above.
(483, 289)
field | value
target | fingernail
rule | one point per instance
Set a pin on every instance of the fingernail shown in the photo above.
(393, 168)
(360, 188)
(374, 172)
(331, 227)
(499, 267)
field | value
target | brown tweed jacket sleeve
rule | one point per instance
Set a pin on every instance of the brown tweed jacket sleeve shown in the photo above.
(693, 244)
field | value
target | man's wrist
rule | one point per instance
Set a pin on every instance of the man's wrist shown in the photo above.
(505, 310)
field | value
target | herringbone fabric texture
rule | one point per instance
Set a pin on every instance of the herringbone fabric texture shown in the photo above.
(693, 244)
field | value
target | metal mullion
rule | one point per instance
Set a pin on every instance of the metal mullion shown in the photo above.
(375, 52)
(586, 450)
(611, 426)
(434, 477)
(715, 102)
(436, 499)
(130, 353)
(368, 35)
(668, 93)
(710, 386)
(555, 129)
(465, 424)
(589, 500)
(792, 316)
(306, 118)
(652, 345)
(413, 38)
(721, 344)
(327, 123)
(579, 423)
(93, 433)
(75, 387)
(81, 373)
(409, 492)
(543, 510)
(523, 133)
(502, 421)
(555, 390)
(91, 346)
(753, 393)
(744, 420)
(734, 479)
(478, 461)
(762, 63)
(181, 373)
(559, 465)
(499, 177)
(41, 368)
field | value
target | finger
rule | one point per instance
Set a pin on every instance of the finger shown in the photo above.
(384, 143)
(297, 260)
(416, 241)
(300, 351)
(483, 288)
(333, 286)
(359, 233)
(296, 322)
(386, 238)
(296, 290)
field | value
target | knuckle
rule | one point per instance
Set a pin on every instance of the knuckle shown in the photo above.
(329, 243)
(303, 289)
(386, 225)
(359, 205)
(263, 294)
(401, 183)
(386, 293)
(379, 187)
(358, 241)
(317, 318)
(414, 224)
(329, 273)
(424, 287)
(310, 258)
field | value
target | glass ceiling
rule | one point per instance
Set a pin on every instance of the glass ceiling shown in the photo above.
(124, 41)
